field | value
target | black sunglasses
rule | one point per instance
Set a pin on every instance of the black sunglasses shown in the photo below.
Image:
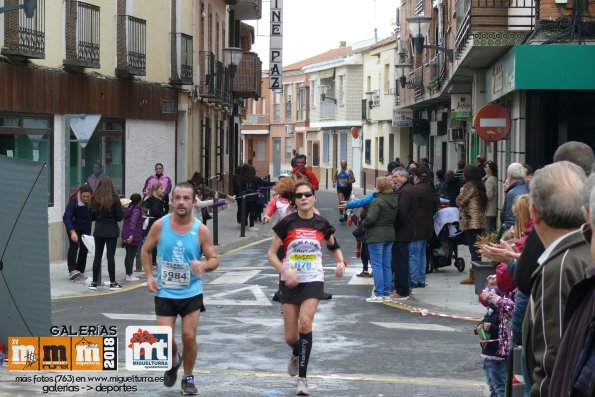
(307, 195)
(586, 232)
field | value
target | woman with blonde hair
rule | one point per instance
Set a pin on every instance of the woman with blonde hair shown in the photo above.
(380, 234)
(106, 211)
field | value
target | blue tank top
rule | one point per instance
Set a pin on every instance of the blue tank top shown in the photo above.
(343, 179)
(174, 252)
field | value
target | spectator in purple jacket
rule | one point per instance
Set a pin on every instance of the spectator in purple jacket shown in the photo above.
(132, 233)
(158, 177)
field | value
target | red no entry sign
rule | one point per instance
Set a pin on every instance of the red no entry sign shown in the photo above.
(492, 122)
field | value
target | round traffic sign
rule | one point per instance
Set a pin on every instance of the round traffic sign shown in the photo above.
(492, 122)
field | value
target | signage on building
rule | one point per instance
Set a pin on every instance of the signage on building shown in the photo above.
(461, 107)
(492, 122)
(276, 51)
(402, 118)
(500, 77)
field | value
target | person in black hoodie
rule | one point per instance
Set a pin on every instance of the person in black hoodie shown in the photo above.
(106, 212)
(77, 219)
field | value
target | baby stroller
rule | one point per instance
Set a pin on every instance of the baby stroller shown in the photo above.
(442, 248)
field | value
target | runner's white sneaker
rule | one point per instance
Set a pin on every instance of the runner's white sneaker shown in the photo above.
(301, 388)
(292, 366)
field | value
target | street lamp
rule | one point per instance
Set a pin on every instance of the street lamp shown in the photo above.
(420, 27)
(405, 69)
(323, 96)
(232, 57)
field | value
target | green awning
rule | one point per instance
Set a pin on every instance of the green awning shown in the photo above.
(554, 67)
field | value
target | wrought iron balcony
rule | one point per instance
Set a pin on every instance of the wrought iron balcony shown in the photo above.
(24, 37)
(132, 46)
(82, 35)
(246, 10)
(182, 59)
(257, 119)
(206, 85)
(492, 16)
(247, 81)
(418, 81)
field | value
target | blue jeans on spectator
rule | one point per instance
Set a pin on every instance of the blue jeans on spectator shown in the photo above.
(380, 258)
(495, 372)
(518, 316)
(417, 262)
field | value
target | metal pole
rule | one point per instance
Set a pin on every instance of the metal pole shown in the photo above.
(326, 179)
(243, 217)
(268, 191)
(364, 183)
(215, 220)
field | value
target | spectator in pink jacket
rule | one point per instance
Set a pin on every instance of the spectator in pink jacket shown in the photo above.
(158, 177)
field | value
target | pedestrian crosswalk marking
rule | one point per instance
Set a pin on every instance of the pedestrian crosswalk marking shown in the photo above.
(130, 316)
(415, 327)
(268, 322)
(235, 277)
(223, 298)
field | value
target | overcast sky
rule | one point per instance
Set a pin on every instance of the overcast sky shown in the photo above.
(311, 27)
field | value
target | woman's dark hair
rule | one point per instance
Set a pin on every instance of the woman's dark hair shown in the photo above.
(471, 175)
(102, 199)
(304, 183)
(86, 188)
(440, 175)
(135, 199)
(493, 166)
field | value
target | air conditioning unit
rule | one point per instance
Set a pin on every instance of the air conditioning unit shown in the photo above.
(288, 129)
(456, 135)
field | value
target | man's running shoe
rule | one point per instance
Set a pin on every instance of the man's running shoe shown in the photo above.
(73, 274)
(301, 388)
(115, 286)
(188, 386)
(292, 366)
(93, 286)
(396, 297)
(170, 376)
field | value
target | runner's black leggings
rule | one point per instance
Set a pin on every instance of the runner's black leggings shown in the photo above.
(110, 243)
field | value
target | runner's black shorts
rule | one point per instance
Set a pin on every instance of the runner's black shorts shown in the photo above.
(173, 307)
(302, 291)
(346, 191)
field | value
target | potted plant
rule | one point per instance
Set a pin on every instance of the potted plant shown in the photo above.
(433, 83)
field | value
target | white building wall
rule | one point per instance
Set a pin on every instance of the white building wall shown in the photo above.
(142, 156)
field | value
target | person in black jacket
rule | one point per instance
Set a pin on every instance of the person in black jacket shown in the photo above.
(77, 219)
(404, 232)
(106, 212)
(155, 207)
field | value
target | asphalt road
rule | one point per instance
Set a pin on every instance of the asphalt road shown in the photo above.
(359, 348)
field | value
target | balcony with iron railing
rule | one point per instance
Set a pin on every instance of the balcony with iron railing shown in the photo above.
(245, 10)
(287, 111)
(206, 85)
(247, 81)
(474, 16)
(82, 35)
(182, 59)
(24, 37)
(132, 46)
(437, 72)
(256, 119)
(418, 82)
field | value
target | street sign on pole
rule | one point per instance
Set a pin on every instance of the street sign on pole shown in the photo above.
(492, 122)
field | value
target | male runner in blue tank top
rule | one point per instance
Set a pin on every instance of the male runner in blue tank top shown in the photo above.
(343, 180)
(181, 242)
